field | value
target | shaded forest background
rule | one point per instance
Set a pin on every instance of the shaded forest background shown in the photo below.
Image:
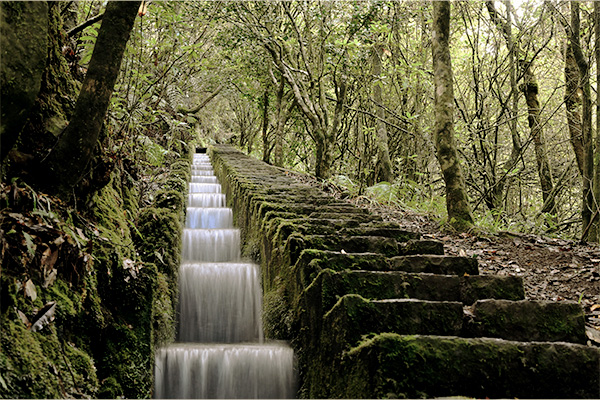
(345, 91)
(395, 104)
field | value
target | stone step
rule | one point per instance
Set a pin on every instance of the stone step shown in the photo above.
(422, 246)
(360, 217)
(377, 285)
(436, 264)
(354, 316)
(479, 287)
(260, 208)
(396, 366)
(312, 261)
(527, 320)
(296, 243)
(278, 229)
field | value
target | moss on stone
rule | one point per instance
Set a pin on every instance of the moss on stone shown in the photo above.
(176, 183)
(159, 238)
(170, 199)
(163, 313)
(40, 365)
(433, 366)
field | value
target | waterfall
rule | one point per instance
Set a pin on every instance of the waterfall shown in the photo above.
(220, 351)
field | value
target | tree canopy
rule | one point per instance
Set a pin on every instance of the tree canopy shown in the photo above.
(344, 90)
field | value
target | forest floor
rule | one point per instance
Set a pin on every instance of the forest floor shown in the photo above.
(551, 269)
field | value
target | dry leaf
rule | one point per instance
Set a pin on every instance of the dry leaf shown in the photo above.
(50, 278)
(30, 290)
(48, 259)
(24, 318)
(595, 307)
(81, 235)
(128, 263)
(29, 243)
(43, 317)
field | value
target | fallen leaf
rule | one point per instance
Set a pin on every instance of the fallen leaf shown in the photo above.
(44, 316)
(29, 243)
(48, 259)
(30, 290)
(24, 318)
(128, 263)
(50, 278)
(595, 307)
(81, 235)
(160, 257)
(59, 240)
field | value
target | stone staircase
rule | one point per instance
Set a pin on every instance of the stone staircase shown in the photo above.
(375, 311)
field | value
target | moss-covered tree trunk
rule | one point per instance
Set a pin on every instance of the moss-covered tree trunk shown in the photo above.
(588, 209)
(265, 126)
(23, 43)
(530, 89)
(384, 166)
(457, 203)
(68, 160)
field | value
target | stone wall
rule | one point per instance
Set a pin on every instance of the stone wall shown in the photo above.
(375, 311)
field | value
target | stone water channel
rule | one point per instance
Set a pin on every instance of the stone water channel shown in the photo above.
(220, 350)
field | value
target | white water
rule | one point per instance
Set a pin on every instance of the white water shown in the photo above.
(220, 353)
(206, 200)
(225, 371)
(209, 217)
(220, 302)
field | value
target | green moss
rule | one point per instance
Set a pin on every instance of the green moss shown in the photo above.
(127, 358)
(159, 238)
(163, 314)
(113, 221)
(170, 199)
(177, 183)
(277, 314)
(110, 389)
(39, 365)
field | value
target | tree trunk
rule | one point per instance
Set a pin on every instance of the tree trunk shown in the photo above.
(265, 127)
(383, 169)
(69, 159)
(572, 103)
(280, 125)
(596, 191)
(457, 203)
(530, 89)
(506, 28)
(588, 207)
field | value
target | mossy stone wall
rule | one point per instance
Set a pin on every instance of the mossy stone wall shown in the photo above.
(112, 275)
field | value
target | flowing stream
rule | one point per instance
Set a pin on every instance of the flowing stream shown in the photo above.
(220, 351)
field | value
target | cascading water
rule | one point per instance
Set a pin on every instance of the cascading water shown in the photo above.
(220, 351)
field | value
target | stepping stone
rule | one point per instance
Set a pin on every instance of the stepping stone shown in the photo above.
(344, 244)
(377, 285)
(528, 320)
(479, 287)
(422, 246)
(436, 264)
(396, 366)
(354, 316)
